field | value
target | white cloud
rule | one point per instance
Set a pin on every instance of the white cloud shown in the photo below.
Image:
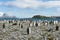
(32, 3)
(58, 11)
(1, 3)
(52, 4)
(1, 14)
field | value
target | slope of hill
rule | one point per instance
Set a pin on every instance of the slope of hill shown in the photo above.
(40, 16)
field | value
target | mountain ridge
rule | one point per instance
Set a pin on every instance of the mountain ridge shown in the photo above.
(41, 16)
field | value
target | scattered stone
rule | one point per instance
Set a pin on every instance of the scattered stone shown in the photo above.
(14, 23)
(23, 30)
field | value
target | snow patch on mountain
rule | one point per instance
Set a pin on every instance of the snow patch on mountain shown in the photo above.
(1, 14)
(5, 15)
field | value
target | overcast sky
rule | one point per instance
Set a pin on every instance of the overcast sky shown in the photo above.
(28, 8)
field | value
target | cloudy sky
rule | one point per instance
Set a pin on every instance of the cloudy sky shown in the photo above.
(28, 8)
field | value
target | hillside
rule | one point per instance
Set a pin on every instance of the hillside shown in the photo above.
(40, 16)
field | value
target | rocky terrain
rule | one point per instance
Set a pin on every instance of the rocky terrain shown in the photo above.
(29, 30)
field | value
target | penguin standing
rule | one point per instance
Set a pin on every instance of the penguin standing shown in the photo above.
(57, 28)
(9, 22)
(21, 26)
(28, 30)
(36, 24)
(3, 25)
